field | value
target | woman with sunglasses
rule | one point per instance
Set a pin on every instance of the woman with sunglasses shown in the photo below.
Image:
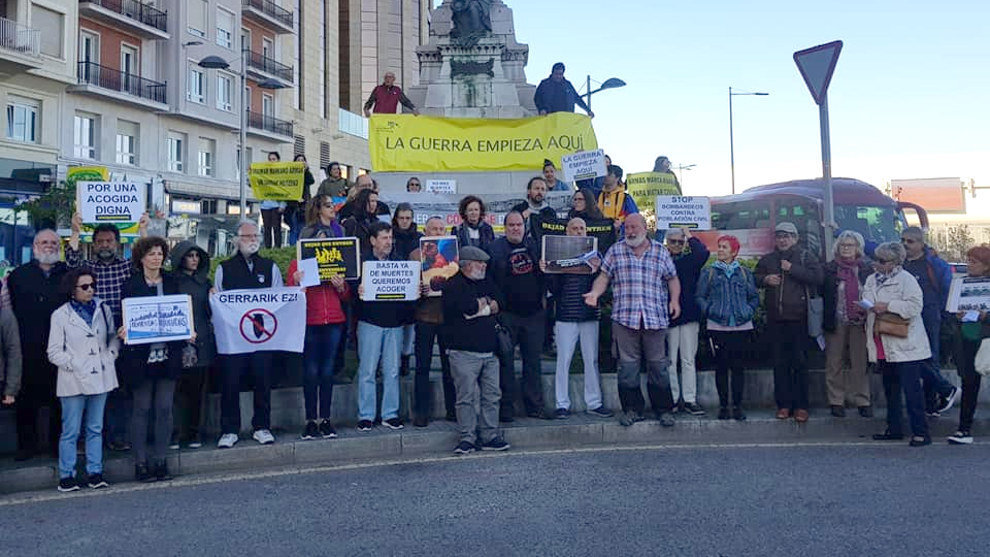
(82, 344)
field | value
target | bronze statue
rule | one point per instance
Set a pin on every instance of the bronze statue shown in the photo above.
(472, 20)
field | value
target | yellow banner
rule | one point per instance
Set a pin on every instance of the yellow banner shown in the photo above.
(277, 181)
(644, 187)
(128, 230)
(407, 143)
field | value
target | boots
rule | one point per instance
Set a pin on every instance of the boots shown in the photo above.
(161, 471)
(142, 474)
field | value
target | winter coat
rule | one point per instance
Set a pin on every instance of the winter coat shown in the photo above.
(323, 302)
(10, 362)
(405, 242)
(197, 286)
(34, 297)
(789, 301)
(830, 291)
(83, 352)
(134, 368)
(689, 264)
(728, 301)
(486, 235)
(904, 298)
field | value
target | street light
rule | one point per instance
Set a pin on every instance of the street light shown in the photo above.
(682, 168)
(732, 152)
(214, 62)
(610, 83)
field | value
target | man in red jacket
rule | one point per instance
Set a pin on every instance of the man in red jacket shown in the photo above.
(386, 97)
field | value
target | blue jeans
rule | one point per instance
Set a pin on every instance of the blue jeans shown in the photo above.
(904, 377)
(319, 362)
(931, 374)
(73, 408)
(376, 342)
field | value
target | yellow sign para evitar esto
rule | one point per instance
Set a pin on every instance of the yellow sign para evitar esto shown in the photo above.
(128, 230)
(407, 143)
(277, 181)
(644, 187)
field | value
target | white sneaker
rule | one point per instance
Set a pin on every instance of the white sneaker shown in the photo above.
(263, 436)
(227, 440)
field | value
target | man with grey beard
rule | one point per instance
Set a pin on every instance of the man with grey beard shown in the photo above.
(246, 270)
(34, 290)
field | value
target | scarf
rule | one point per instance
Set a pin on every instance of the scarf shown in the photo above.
(848, 272)
(882, 278)
(727, 268)
(85, 310)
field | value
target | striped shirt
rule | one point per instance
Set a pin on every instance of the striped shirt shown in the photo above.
(639, 285)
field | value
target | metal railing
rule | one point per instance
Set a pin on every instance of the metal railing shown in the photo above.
(269, 124)
(272, 10)
(116, 80)
(19, 38)
(148, 15)
(268, 65)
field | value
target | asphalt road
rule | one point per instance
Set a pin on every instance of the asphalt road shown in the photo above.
(804, 500)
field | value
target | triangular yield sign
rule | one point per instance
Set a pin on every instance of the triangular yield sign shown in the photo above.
(816, 65)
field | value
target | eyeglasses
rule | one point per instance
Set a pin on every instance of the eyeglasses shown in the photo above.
(86, 287)
(415, 184)
(779, 235)
(848, 245)
(249, 236)
(676, 242)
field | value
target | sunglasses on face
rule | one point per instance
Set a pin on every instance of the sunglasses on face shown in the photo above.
(87, 286)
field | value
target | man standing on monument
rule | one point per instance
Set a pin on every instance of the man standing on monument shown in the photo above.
(386, 97)
(556, 94)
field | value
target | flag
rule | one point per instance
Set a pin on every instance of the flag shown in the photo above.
(264, 319)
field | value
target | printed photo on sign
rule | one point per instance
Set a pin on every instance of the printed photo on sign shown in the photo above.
(969, 294)
(570, 254)
(584, 165)
(247, 321)
(149, 319)
(390, 281)
(676, 211)
(111, 202)
(438, 256)
(334, 256)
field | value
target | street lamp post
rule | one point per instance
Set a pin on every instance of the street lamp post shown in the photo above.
(732, 151)
(681, 168)
(610, 83)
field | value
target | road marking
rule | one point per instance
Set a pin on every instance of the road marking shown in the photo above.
(46, 496)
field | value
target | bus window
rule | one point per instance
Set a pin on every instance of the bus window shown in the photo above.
(876, 224)
(804, 215)
(741, 215)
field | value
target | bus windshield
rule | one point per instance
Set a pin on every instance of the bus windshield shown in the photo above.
(876, 224)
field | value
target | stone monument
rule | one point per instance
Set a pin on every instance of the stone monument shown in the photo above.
(472, 66)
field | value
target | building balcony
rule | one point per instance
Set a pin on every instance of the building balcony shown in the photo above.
(352, 124)
(20, 46)
(269, 126)
(133, 16)
(112, 83)
(270, 15)
(262, 67)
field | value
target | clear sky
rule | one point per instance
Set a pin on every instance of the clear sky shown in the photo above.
(910, 97)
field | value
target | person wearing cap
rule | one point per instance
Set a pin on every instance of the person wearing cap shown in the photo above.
(788, 275)
(550, 176)
(471, 300)
(556, 94)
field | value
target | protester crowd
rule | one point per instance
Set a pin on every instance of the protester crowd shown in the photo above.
(62, 336)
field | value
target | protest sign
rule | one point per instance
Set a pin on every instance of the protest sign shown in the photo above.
(408, 143)
(149, 319)
(570, 254)
(113, 202)
(586, 165)
(441, 186)
(277, 181)
(969, 294)
(390, 281)
(497, 205)
(77, 174)
(675, 211)
(247, 321)
(334, 256)
(438, 256)
(644, 187)
(603, 230)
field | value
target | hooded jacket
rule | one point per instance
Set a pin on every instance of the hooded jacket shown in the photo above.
(197, 286)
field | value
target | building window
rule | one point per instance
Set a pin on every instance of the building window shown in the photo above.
(225, 28)
(176, 152)
(206, 149)
(268, 106)
(196, 88)
(225, 85)
(127, 138)
(198, 15)
(22, 120)
(53, 25)
(85, 137)
(268, 48)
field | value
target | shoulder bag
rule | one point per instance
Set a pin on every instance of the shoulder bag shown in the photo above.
(893, 325)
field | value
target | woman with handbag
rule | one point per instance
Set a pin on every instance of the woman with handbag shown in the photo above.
(896, 341)
(972, 332)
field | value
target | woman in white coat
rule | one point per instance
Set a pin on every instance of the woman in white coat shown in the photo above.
(83, 344)
(892, 290)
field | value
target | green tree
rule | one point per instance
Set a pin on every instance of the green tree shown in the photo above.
(52, 208)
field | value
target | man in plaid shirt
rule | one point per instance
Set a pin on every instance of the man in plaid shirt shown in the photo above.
(646, 294)
(111, 272)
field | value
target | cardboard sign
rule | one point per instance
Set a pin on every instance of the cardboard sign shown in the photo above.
(334, 256)
(111, 202)
(441, 186)
(585, 165)
(570, 254)
(969, 294)
(438, 257)
(277, 181)
(390, 281)
(149, 319)
(678, 211)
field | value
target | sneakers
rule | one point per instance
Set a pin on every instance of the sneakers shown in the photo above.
(365, 425)
(496, 444)
(723, 413)
(961, 437)
(464, 448)
(947, 402)
(737, 414)
(667, 419)
(311, 432)
(537, 414)
(694, 409)
(393, 423)
(263, 437)
(195, 445)
(932, 414)
(227, 440)
(173, 446)
(327, 431)
(601, 412)
(920, 441)
(96, 481)
(66, 485)
(562, 414)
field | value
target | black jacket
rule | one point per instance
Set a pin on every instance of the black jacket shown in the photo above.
(360, 229)
(789, 301)
(831, 289)
(516, 272)
(689, 266)
(557, 96)
(198, 287)
(533, 225)
(34, 297)
(404, 242)
(568, 292)
(486, 235)
(134, 368)
(460, 298)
